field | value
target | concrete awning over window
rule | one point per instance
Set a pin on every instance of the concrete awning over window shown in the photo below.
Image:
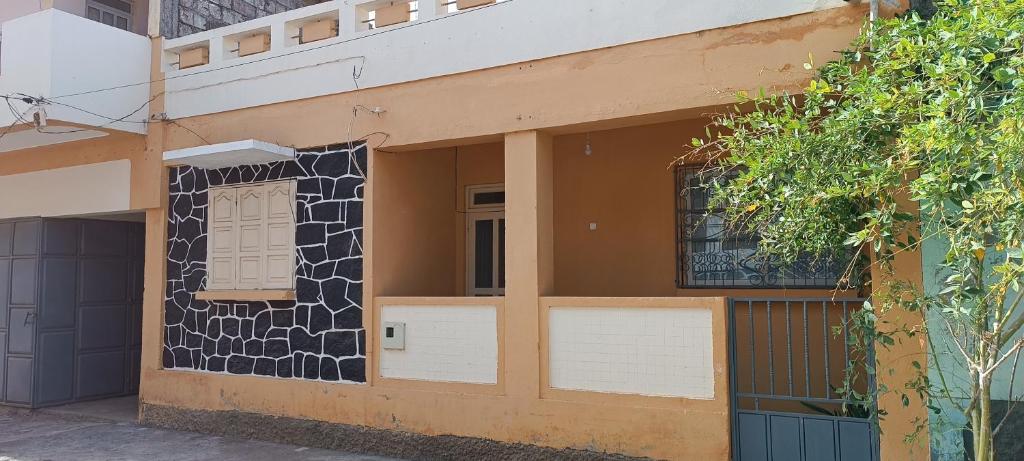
(229, 154)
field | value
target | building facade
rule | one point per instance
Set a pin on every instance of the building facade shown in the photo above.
(422, 228)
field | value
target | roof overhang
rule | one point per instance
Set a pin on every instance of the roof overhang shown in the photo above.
(229, 154)
(23, 138)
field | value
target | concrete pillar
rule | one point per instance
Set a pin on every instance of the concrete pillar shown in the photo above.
(895, 367)
(529, 250)
(429, 9)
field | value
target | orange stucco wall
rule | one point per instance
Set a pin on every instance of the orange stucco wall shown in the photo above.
(662, 428)
(424, 249)
(626, 186)
(415, 254)
(650, 81)
(896, 370)
(477, 164)
(114, 146)
(524, 125)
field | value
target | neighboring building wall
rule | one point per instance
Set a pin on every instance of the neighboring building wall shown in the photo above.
(139, 19)
(949, 441)
(184, 17)
(17, 8)
(318, 336)
(12, 9)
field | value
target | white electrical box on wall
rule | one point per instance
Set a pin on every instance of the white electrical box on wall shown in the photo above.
(393, 336)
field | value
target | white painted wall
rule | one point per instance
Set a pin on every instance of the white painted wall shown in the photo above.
(94, 188)
(629, 350)
(505, 33)
(53, 53)
(444, 343)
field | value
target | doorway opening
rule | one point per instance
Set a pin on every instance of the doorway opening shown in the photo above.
(485, 240)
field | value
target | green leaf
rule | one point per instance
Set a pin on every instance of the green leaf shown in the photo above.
(1004, 74)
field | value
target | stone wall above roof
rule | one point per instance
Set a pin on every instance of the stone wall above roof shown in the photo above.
(183, 17)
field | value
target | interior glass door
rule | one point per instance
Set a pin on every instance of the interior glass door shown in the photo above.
(485, 251)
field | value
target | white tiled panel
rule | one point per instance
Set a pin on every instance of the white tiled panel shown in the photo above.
(647, 351)
(444, 343)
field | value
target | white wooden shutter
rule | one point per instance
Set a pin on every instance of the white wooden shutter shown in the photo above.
(279, 252)
(251, 236)
(222, 240)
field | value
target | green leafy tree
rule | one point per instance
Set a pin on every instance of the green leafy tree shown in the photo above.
(916, 132)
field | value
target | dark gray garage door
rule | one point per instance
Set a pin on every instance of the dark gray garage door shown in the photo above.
(70, 310)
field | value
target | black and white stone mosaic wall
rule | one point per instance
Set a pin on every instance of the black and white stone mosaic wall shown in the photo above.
(318, 336)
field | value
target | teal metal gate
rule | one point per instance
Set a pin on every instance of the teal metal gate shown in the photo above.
(788, 358)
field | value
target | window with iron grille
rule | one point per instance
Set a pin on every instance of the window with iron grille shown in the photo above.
(714, 255)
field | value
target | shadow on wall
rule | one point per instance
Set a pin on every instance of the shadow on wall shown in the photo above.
(925, 8)
(1009, 444)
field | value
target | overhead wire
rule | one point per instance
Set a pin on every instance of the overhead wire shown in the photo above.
(110, 120)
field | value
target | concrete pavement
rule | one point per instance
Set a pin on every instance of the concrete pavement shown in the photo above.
(106, 431)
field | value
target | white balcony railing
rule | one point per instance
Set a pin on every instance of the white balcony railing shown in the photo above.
(437, 38)
(86, 74)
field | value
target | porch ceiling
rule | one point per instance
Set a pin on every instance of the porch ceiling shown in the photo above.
(45, 136)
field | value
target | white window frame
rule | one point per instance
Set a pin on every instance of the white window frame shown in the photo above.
(471, 191)
(114, 11)
(240, 242)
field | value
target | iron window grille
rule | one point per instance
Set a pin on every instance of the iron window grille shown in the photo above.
(712, 254)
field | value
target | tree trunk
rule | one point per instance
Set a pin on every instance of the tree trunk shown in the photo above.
(982, 422)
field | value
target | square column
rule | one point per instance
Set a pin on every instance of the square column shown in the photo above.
(529, 249)
(895, 363)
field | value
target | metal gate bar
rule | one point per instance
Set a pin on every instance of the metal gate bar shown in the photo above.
(773, 408)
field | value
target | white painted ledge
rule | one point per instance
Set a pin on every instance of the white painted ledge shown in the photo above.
(436, 44)
(229, 154)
